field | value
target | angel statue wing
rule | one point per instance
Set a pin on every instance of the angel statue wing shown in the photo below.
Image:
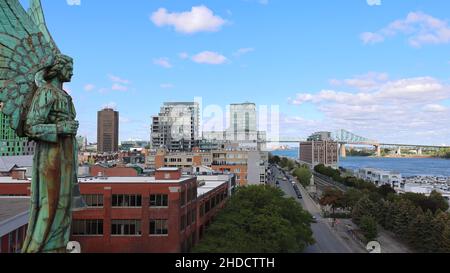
(36, 13)
(26, 48)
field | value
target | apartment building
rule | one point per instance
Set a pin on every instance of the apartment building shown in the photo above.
(243, 127)
(176, 127)
(314, 153)
(380, 177)
(249, 165)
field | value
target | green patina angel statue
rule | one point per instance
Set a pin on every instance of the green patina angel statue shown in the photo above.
(32, 73)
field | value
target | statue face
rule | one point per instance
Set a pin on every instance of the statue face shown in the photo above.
(67, 72)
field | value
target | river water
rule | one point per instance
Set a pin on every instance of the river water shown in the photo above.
(405, 166)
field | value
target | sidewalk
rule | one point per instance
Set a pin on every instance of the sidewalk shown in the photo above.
(340, 232)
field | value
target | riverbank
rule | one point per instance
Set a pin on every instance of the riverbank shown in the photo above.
(406, 166)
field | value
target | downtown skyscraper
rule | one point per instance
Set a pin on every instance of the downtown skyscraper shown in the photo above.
(108, 131)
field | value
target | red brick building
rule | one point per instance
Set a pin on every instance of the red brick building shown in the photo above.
(167, 213)
(98, 170)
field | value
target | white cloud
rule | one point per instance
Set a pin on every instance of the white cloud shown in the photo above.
(118, 79)
(420, 28)
(199, 19)
(89, 87)
(435, 108)
(163, 62)
(73, 2)
(209, 57)
(119, 87)
(371, 38)
(118, 84)
(362, 82)
(374, 2)
(243, 51)
(392, 111)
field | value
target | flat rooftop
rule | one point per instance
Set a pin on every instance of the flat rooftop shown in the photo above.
(11, 207)
(8, 179)
(209, 185)
(138, 179)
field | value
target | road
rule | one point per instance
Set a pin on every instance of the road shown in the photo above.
(327, 241)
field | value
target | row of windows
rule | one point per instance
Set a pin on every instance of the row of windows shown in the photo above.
(190, 196)
(119, 227)
(126, 200)
(188, 219)
(212, 203)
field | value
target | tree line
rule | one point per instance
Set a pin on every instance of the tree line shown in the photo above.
(258, 219)
(301, 172)
(420, 221)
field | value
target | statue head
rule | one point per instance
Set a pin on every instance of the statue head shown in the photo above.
(62, 68)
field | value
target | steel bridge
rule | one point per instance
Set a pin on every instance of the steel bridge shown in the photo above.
(345, 138)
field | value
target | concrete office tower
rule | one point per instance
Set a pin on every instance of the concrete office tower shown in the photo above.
(176, 127)
(108, 131)
(243, 125)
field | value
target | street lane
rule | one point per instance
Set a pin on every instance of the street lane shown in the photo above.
(326, 240)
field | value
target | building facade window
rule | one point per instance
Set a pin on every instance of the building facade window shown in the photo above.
(183, 198)
(87, 227)
(93, 200)
(159, 200)
(159, 227)
(183, 223)
(126, 227)
(126, 200)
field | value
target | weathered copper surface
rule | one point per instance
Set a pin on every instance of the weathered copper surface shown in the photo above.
(32, 73)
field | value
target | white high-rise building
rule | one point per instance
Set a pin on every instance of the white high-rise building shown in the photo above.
(243, 127)
(176, 128)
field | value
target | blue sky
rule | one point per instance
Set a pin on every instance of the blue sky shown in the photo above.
(379, 70)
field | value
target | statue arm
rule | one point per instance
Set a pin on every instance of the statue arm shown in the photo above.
(37, 127)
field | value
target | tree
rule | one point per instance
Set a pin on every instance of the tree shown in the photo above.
(274, 159)
(385, 190)
(421, 234)
(434, 202)
(258, 219)
(369, 227)
(364, 207)
(303, 175)
(351, 197)
(441, 232)
(332, 197)
(439, 202)
(404, 212)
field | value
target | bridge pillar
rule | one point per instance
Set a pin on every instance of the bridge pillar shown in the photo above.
(343, 151)
(399, 151)
(420, 151)
(378, 150)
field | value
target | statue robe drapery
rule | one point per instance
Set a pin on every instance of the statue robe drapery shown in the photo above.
(54, 171)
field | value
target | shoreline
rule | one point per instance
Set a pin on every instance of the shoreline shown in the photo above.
(372, 156)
